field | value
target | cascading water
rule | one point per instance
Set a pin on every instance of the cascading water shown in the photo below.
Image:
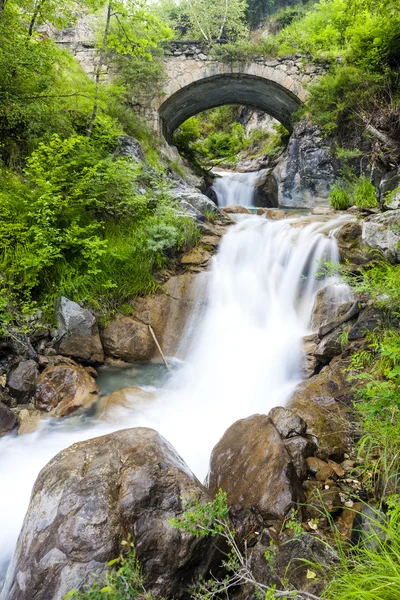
(235, 188)
(246, 358)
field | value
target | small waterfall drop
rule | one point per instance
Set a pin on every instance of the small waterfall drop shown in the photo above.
(235, 188)
(245, 358)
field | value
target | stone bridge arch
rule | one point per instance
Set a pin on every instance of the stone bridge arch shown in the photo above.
(195, 81)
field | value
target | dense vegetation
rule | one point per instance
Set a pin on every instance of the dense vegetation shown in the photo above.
(76, 219)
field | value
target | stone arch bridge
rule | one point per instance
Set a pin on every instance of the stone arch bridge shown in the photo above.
(196, 81)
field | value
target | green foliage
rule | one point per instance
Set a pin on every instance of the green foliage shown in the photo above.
(339, 197)
(372, 571)
(204, 519)
(353, 191)
(79, 223)
(124, 582)
(246, 50)
(211, 20)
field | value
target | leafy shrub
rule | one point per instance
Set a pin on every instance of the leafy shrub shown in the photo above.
(339, 197)
(364, 194)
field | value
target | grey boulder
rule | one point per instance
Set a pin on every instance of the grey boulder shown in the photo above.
(92, 496)
(21, 381)
(80, 334)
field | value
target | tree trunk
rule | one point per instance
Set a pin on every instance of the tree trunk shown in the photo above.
(36, 10)
(2, 6)
(382, 137)
(99, 69)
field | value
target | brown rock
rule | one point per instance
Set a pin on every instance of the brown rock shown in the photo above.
(129, 339)
(168, 311)
(197, 256)
(322, 402)
(22, 380)
(315, 464)
(329, 347)
(97, 493)
(324, 473)
(7, 420)
(323, 210)
(328, 307)
(321, 501)
(252, 465)
(132, 398)
(63, 389)
(235, 210)
(300, 448)
(272, 213)
(345, 522)
(287, 422)
(28, 421)
(338, 469)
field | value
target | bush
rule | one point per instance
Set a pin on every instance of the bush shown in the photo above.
(339, 197)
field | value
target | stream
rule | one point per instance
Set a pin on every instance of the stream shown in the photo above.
(244, 355)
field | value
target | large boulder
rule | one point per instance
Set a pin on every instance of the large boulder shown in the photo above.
(306, 172)
(63, 389)
(94, 495)
(8, 420)
(129, 148)
(21, 381)
(352, 249)
(382, 232)
(193, 202)
(168, 312)
(80, 333)
(322, 401)
(331, 303)
(128, 339)
(252, 465)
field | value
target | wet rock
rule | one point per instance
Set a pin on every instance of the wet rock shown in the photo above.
(351, 247)
(28, 421)
(235, 210)
(128, 339)
(267, 191)
(7, 420)
(369, 319)
(300, 448)
(305, 173)
(132, 398)
(272, 214)
(80, 333)
(63, 389)
(130, 148)
(345, 522)
(252, 465)
(382, 232)
(287, 422)
(323, 211)
(295, 556)
(322, 402)
(169, 311)
(325, 500)
(309, 363)
(21, 381)
(329, 306)
(369, 527)
(92, 496)
(191, 200)
(197, 256)
(330, 346)
(315, 464)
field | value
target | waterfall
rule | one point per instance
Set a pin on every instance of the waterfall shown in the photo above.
(245, 357)
(235, 188)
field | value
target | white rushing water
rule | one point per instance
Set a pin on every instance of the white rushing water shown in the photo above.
(245, 358)
(235, 188)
